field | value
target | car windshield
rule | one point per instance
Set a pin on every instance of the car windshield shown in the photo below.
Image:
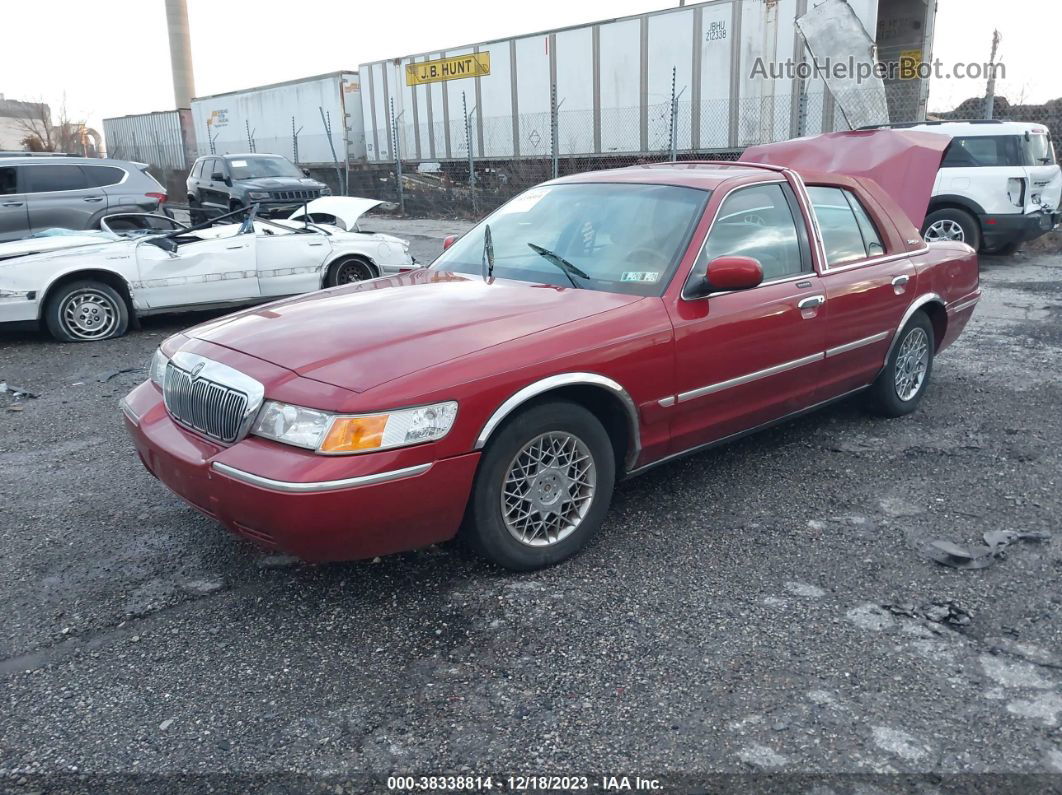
(614, 237)
(1039, 151)
(255, 167)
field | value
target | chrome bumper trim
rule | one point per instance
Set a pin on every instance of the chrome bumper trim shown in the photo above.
(324, 485)
(958, 307)
(127, 410)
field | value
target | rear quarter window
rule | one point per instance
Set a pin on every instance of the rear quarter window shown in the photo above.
(102, 176)
(984, 151)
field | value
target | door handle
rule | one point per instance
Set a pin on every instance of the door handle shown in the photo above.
(92, 199)
(900, 281)
(812, 302)
(13, 204)
(233, 248)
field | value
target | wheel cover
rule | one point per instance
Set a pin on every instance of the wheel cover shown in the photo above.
(912, 364)
(945, 229)
(548, 489)
(89, 314)
(353, 271)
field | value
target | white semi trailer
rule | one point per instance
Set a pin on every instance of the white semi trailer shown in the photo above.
(612, 83)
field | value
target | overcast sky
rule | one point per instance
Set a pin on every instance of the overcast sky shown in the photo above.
(111, 57)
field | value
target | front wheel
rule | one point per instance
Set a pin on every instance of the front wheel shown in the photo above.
(349, 271)
(542, 489)
(86, 311)
(899, 388)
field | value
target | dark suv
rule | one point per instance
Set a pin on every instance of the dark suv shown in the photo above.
(39, 192)
(220, 183)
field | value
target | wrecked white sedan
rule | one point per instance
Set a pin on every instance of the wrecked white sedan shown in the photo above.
(88, 286)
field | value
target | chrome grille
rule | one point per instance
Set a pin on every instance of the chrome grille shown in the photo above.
(213, 409)
(295, 195)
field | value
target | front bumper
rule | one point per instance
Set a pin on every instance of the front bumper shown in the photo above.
(315, 515)
(1000, 230)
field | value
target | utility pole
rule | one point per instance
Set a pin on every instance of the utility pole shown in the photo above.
(990, 95)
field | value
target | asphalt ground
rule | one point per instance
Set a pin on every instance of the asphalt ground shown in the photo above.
(729, 619)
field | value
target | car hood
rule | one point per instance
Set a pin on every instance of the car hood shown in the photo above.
(363, 335)
(903, 162)
(280, 183)
(347, 209)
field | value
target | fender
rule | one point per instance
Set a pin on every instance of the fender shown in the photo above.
(917, 304)
(72, 273)
(554, 382)
(951, 198)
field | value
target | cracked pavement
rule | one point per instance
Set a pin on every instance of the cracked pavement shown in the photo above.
(730, 617)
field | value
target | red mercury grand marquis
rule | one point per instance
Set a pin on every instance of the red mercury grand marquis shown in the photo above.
(594, 326)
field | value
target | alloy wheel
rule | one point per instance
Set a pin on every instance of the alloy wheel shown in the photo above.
(945, 229)
(912, 364)
(548, 489)
(89, 314)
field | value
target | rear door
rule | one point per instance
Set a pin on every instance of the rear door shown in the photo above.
(14, 212)
(868, 287)
(748, 357)
(59, 195)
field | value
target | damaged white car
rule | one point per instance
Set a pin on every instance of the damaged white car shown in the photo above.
(90, 285)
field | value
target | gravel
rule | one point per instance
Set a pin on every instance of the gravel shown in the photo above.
(729, 618)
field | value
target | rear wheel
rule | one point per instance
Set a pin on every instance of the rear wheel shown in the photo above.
(86, 311)
(899, 388)
(542, 488)
(349, 271)
(195, 211)
(952, 224)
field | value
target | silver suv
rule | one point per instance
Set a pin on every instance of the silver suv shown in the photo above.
(42, 192)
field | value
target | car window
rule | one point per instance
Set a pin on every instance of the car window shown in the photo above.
(871, 238)
(48, 177)
(982, 151)
(844, 236)
(197, 169)
(101, 176)
(7, 181)
(1038, 150)
(756, 222)
(250, 167)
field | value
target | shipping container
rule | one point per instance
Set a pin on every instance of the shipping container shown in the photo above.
(287, 119)
(613, 82)
(161, 139)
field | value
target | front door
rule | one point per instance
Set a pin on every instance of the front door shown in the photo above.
(868, 289)
(219, 270)
(290, 262)
(14, 214)
(746, 358)
(60, 196)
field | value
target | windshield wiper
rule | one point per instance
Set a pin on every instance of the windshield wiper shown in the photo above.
(488, 252)
(562, 263)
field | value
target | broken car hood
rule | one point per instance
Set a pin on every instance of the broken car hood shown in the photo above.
(347, 209)
(903, 162)
(359, 336)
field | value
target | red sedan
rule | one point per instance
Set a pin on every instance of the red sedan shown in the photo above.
(593, 327)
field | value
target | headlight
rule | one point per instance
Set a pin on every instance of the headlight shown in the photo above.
(326, 191)
(363, 433)
(257, 195)
(157, 368)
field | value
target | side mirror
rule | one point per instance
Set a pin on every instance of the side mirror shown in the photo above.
(733, 273)
(306, 172)
(448, 241)
(217, 176)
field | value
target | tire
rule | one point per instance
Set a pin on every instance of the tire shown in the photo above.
(952, 224)
(349, 270)
(552, 529)
(86, 311)
(894, 393)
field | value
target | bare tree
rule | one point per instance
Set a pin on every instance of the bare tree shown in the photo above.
(41, 135)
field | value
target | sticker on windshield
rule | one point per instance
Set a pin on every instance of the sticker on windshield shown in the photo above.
(640, 276)
(524, 202)
(239, 164)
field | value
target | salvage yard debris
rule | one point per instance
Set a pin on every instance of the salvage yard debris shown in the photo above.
(997, 541)
(14, 391)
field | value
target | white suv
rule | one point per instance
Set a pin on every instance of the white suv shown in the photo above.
(998, 186)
